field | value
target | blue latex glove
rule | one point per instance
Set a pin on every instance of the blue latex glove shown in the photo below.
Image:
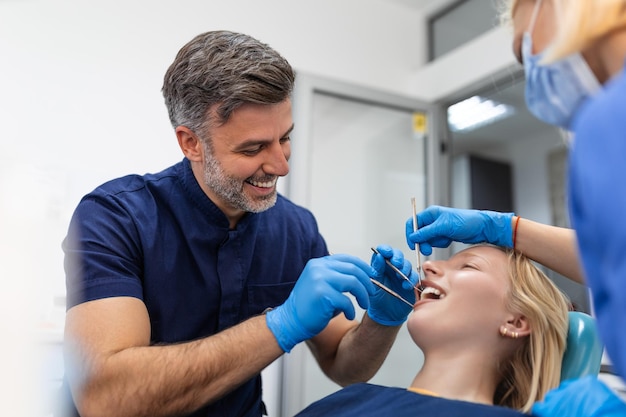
(384, 308)
(584, 397)
(439, 226)
(318, 297)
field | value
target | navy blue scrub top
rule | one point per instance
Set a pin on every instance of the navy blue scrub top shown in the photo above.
(159, 238)
(369, 400)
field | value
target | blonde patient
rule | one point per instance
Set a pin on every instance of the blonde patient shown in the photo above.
(492, 328)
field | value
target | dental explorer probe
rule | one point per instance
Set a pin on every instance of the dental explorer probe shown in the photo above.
(418, 267)
(387, 289)
(392, 266)
(390, 291)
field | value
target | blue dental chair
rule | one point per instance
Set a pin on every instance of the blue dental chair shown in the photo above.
(583, 354)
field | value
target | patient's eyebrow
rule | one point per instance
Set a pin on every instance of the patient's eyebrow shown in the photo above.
(473, 255)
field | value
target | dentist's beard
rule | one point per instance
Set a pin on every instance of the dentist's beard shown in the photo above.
(230, 190)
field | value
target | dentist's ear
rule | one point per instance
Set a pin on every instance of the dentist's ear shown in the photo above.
(189, 143)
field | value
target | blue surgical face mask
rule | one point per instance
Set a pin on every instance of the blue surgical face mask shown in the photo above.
(555, 91)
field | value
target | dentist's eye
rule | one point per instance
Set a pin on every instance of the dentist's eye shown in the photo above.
(252, 151)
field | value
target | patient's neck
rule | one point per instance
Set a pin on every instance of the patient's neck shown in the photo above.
(461, 375)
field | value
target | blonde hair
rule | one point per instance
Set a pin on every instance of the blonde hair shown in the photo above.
(535, 367)
(581, 23)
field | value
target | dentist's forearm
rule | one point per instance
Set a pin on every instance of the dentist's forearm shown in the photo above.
(176, 379)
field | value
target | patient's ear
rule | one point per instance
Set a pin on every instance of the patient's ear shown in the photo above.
(189, 143)
(517, 325)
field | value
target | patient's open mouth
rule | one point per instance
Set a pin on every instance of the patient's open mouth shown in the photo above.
(431, 293)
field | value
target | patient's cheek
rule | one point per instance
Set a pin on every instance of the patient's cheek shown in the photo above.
(413, 325)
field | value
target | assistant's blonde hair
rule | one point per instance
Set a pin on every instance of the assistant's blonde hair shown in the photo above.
(580, 23)
(535, 368)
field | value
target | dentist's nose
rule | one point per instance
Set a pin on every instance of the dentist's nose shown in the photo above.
(278, 159)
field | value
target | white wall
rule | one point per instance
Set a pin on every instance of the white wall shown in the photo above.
(476, 64)
(81, 82)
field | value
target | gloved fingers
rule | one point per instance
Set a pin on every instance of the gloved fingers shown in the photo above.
(424, 218)
(342, 283)
(378, 265)
(433, 231)
(413, 277)
(341, 303)
(386, 250)
(355, 267)
(378, 262)
(396, 257)
(436, 234)
(411, 236)
(351, 260)
(429, 215)
(426, 249)
(409, 233)
(599, 400)
(401, 263)
(386, 309)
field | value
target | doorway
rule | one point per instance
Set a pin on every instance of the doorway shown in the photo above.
(358, 157)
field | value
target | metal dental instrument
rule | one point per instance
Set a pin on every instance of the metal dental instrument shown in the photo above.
(418, 267)
(390, 291)
(387, 289)
(392, 266)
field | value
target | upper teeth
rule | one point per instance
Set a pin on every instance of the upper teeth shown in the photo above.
(431, 290)
(266, 184)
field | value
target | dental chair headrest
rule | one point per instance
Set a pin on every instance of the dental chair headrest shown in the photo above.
(583, 354)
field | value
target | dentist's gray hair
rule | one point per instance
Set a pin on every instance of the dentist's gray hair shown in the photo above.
(220, 71)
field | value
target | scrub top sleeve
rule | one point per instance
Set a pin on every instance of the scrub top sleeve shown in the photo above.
(102, 252)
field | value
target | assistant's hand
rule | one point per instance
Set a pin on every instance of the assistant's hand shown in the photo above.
(439, 226)
(384, 308)
(318, 297)
(584, 397)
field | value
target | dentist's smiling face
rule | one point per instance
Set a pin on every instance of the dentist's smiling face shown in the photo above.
(247, 155)
(464, 299)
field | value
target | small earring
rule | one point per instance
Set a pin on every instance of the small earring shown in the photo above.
(505, 333)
